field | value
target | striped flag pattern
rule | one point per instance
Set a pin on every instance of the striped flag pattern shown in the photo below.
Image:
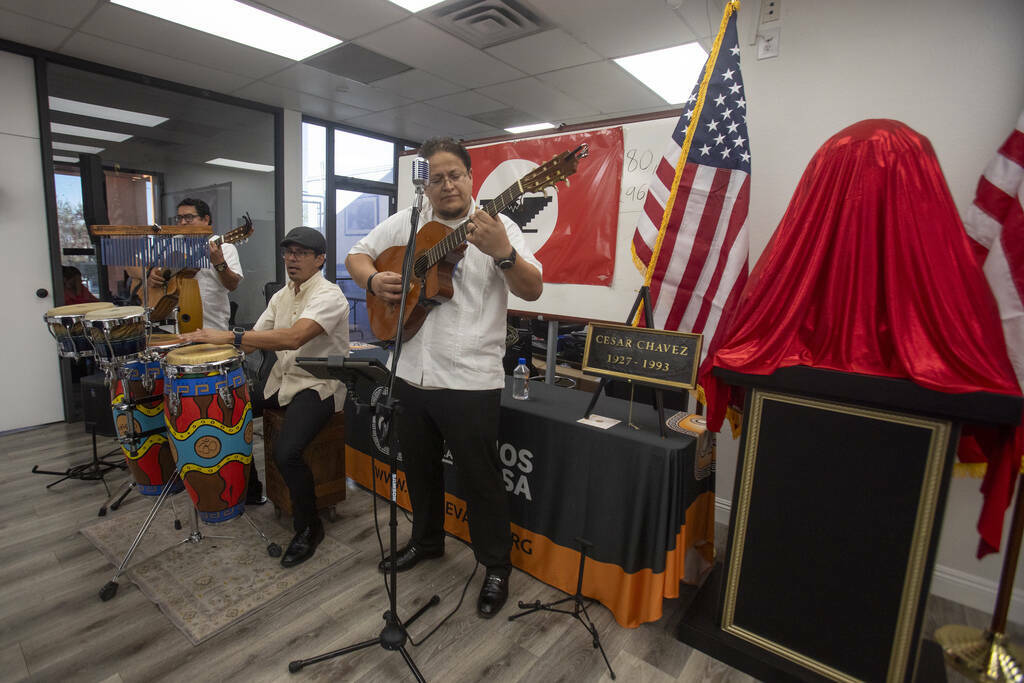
(691, 238)
(996, 224)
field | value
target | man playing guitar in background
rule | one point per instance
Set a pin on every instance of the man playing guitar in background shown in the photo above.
(450, 373)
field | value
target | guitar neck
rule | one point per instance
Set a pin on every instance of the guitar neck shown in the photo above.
(454, 240)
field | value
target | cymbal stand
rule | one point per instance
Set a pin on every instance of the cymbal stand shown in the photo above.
(579, 610)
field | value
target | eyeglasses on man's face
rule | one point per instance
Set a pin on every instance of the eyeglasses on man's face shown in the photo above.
(186, 217)
(439, 180)
(297, 253)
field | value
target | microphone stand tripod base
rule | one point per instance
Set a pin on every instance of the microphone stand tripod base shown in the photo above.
(981, 655)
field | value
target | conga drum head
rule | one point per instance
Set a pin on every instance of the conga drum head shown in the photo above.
(65, 325)
(117, 332)
(202, 358)
(77, 309)
(160, 344)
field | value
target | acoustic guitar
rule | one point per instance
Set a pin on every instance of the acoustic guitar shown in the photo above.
(181, 289)
(438, 248)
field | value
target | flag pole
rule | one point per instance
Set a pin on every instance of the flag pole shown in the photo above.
(989, 655)
(684, 153)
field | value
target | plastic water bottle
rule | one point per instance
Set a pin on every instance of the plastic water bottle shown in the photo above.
(521, 381)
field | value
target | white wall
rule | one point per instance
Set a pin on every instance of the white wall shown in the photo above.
(953, 71)
(32, 393)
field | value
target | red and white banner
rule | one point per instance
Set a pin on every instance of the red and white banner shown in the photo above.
(571, 230)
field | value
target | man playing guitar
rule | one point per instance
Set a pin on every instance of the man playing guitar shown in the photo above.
(450, 374)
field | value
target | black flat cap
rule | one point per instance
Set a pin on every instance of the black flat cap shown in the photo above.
(306, 237)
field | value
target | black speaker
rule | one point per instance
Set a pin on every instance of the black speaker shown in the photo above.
(96, 405)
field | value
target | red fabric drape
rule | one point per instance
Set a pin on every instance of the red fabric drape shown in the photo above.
(871, 272)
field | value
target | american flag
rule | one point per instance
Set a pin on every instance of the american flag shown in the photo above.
(996, 223)
(691, 238)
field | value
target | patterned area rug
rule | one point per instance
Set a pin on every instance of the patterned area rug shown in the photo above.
(208, 586)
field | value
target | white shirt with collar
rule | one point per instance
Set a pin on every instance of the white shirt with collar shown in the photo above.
(323, 303)
(462, 341)
(213, 294)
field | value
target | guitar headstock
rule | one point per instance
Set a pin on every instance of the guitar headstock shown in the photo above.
(241, 233)
(554, 171)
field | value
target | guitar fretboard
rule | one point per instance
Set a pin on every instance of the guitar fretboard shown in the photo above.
(456, 237)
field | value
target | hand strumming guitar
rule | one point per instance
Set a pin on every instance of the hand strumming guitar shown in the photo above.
(388, 286)
(156, 278)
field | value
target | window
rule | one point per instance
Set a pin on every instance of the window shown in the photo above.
(348, 187)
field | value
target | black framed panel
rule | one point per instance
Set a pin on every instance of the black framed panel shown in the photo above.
(835, 521)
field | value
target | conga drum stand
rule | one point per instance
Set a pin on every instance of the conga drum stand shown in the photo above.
(195, 536)
(94, 470)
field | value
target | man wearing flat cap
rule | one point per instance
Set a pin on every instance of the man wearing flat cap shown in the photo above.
(308, 317)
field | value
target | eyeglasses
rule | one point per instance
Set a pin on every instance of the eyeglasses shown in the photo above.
(296, 253)
(186, 217)
(440, 180)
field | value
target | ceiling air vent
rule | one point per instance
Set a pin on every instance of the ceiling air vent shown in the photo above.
(486, 23)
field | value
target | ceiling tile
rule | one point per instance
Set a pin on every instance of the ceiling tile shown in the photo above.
(615, 28)
(417, 85)
(397, 122)
(152, 64)
(156, 35)
(534, 97)
(261, 91)
(466, 103)
(459, 126)
(345, 19)
(604, 85)
(545, 51)
(23, 29)
(425, 47)
(64, 13)
(318, 82)
(353, 61)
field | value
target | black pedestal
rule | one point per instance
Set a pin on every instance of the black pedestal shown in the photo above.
(840, 488)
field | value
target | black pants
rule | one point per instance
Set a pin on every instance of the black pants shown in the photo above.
(304, 417)
(467, 421)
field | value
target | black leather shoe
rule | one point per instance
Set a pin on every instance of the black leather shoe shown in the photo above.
(408, 557)
(493, 595)
(303, 545)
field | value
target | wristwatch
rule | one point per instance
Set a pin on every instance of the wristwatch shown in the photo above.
(220, 267)
(239, 331)
(507, 262)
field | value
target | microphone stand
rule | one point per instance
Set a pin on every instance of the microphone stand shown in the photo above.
(394, 634)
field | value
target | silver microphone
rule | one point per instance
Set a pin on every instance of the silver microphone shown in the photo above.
(420, 172)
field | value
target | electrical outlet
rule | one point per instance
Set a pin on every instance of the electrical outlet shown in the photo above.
(768, 43)
(771, 10)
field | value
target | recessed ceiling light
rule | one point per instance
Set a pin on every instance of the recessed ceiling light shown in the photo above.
(416, 5)
(81, 149)
(240, 23)
(671, 73)
(80, 132)
(70, 160)
(100, 112)
(515, 130)
(248, 166)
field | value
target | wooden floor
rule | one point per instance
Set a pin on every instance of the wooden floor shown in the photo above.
(54, 627)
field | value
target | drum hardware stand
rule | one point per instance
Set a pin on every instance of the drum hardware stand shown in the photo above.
(579, 610)
(394, 634)
(109, 590)
(94, 470)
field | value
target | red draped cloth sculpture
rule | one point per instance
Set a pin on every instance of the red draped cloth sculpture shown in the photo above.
(871, 272)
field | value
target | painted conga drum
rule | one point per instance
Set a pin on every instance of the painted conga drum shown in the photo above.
(65, 324)
(137, 401)
(209, 419)
(117, 333)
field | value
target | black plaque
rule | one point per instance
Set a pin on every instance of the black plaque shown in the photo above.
(644, 355)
